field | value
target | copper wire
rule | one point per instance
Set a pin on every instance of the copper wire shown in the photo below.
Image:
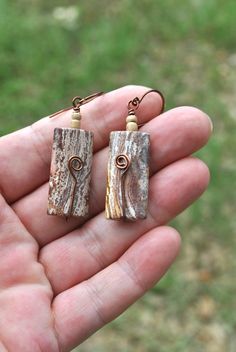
(123, 162)
(134, 103)
(75, 163)
(77, 102)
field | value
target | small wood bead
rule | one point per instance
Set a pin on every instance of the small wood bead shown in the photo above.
(131, 118)
(75, 124)
(75, 119)
(76, 115)
(131, 126)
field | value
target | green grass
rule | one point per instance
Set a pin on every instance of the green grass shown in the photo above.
(188, 50)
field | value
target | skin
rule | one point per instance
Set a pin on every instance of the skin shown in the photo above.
(61, 281)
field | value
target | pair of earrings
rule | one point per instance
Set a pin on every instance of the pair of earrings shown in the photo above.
(128, 167)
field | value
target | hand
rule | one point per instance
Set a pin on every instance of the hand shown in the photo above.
(61, 281)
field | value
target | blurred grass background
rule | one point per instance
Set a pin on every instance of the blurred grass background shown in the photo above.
(52, 51)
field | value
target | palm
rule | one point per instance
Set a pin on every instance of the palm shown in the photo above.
(59, 281)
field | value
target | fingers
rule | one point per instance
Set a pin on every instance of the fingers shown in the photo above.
(174, 135)
(84, 252)
(18, 251)
(13, 233)
(88, 306)
(25, 155)
(3, 349)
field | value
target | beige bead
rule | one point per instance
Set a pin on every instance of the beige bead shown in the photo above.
(75, 124)
(131, 126)
(131, 118)
(76, 115)
(75, 119)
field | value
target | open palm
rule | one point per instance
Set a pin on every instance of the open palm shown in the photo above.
(62, 280)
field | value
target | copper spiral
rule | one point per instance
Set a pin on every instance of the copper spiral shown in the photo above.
(122, 162)
(75, 164)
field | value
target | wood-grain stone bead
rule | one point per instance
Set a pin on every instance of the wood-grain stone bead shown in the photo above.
(69, 194)
(127, 189)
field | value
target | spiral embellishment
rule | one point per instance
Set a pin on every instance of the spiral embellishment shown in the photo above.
(75, 164)
(122, 162)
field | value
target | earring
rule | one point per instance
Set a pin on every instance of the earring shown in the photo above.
(128, 168)
(71, 164)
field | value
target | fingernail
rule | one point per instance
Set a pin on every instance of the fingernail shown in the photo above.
(211, 124)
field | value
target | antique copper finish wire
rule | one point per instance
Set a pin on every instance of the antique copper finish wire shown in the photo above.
(134, 103)
(77, 102)
(123, 162)
(74, 164)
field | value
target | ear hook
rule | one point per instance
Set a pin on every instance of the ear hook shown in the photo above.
(77, 102)
(134, 104)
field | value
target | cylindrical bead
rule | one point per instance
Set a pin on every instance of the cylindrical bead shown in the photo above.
(131, 118)
(76, 115)
(131, 126)
(75, 124)
(69, 184)
(75, 119)
(127, 188)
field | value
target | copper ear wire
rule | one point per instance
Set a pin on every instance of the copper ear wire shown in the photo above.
(133, 104)
(77, 102)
